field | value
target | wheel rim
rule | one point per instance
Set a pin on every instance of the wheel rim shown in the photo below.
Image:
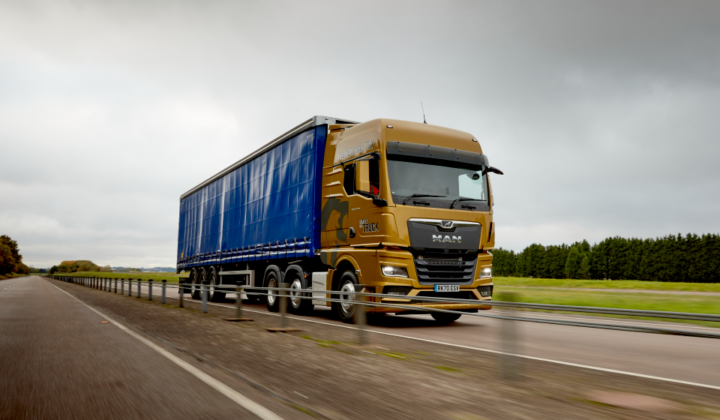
(194, 285)
(346, 305)
(271, 293)
(295, 299)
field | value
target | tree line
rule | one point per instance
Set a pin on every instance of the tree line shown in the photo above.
(10, 257)
(75, 266)
(690, 258)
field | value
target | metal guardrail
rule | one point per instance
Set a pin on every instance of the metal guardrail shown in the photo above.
(363, 300)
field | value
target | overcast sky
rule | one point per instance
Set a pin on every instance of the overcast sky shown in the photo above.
(604, 115)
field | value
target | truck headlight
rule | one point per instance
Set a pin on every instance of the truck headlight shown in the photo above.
(392, 271)
(486, 273)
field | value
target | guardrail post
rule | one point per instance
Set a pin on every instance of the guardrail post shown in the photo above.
(150, 287)
(360, 316)
(122, 286)
(283, 296)
(115, 285)
(139, 291)
(283, 304)
(162, 299)
(238, 309)
(181, 291)
(509, 339)
(204, 290)
(130, 287)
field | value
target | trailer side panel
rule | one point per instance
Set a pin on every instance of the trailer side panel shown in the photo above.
(266, 209)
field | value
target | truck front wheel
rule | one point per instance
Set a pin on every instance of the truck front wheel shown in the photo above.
(345, 310)
(444, 317)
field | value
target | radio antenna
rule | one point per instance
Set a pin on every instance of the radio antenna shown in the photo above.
(423, 110)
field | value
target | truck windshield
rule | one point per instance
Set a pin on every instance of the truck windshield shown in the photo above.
(437, 185)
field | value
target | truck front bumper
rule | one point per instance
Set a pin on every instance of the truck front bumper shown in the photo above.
(412, 301)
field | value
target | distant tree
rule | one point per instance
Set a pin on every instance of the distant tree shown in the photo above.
(689, 258)
(10, 258)
(585, 267)
(7, 262)
(504, 262)
(53, 270)
(572, 265)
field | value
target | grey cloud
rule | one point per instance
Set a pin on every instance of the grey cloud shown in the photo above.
(602, 114)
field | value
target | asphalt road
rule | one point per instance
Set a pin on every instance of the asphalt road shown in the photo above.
(676, 358)
(61, 359)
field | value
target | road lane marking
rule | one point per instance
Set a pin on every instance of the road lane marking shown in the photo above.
(540, 359)
(237, 397)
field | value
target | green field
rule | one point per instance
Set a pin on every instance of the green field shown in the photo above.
(170, 277)
(550, 291)
(607, 284)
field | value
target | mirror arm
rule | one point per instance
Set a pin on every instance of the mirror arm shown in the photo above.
(493, 170)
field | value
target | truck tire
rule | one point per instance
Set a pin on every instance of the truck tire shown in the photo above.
(214, 294)
(445, 318)
(195, 281)
(273, 278)
(300, 303)
(345, 311)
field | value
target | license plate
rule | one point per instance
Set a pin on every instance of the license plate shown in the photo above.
(447, 288)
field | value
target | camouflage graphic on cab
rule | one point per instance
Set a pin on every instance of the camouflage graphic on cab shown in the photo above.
(335, 205)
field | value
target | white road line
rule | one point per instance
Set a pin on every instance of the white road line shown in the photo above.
(240, 399)
(541, 359)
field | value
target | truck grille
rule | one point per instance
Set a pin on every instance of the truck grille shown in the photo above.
(435, 269)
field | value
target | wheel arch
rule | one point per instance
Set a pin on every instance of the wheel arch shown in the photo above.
(345, 262)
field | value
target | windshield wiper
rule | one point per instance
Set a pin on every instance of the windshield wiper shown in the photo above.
(421, 195)
(463, 199)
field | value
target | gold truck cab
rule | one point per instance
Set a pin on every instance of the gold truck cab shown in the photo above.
(407, 211)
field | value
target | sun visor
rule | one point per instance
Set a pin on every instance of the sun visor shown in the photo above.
(435, 155)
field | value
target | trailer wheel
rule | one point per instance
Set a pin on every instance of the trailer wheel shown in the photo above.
(214, 294)
(345, 311)
(299, 301)
(273, 278)
(444, 317)
(195, 283)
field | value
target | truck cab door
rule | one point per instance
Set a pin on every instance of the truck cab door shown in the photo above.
(364, 216)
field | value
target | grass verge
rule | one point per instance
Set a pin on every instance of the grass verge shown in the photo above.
(671, 303)
(608, 284)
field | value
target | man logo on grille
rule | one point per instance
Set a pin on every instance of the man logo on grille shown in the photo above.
(447, 224)
(447, 238)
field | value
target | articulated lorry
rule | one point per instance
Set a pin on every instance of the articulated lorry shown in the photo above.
(401, 208)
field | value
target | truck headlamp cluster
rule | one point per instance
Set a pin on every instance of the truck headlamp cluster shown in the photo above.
(392, 271)
(486, 273)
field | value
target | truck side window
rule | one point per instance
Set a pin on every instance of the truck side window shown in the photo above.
(367, 177)
(349, 179)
